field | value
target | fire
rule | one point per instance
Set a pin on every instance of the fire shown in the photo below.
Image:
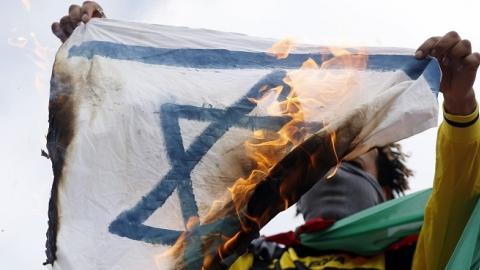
(333, 139)
(39, 82)
(27, 4)
(39, 54)
(19, 42)
(316, 93)
(282, 48)
(267, 148)
(228, 243)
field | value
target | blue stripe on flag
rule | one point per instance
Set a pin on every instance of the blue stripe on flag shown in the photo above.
(226, 59)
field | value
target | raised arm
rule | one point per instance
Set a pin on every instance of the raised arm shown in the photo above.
(456, 185)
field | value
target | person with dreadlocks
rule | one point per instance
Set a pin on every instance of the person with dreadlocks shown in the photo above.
(372, 178)
(381, 174)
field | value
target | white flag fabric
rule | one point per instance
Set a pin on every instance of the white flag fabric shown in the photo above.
(148, 127)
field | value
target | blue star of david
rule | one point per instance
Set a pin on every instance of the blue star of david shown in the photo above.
(130, 223)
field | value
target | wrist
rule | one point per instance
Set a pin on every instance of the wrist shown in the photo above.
(460, 105)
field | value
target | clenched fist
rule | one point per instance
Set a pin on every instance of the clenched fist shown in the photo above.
(76, 15)
(459, 68)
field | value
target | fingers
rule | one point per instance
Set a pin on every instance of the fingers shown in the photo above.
(57, 31)
(443, 46)
(472, 61)
(461, 49)
(75, 13)
(439, 46)
(459, 67)
(67, 25)
(90, 10)
(425, 49)
(446, 49)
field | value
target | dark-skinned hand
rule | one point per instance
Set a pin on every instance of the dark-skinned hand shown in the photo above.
(76, 15)
(459, 68)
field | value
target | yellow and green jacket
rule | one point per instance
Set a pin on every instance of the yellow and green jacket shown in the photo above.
(456, 189)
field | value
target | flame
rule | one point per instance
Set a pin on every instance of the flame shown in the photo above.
(229, 242)
(267, 148)
(282, 48)
(333, 139)
(39, 81)
(19, 42)
(316, 93)
(27, 5)
(175, 251)
(39, 54)
(192, 222)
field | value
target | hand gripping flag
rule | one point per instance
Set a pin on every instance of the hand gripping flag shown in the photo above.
(171, 147)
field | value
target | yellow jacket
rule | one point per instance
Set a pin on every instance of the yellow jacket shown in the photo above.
(456, 188)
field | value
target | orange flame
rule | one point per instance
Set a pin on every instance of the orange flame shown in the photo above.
(19, 42)
(317, 94)
(266, 148)
(282, 48)
(27, 4)
(229, 242)
(41, 58)
(314, 90)
(333, 139)
(39, 54)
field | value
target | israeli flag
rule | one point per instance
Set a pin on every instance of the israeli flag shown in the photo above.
(148, 126)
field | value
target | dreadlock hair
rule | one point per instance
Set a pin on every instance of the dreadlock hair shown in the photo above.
(392, 171)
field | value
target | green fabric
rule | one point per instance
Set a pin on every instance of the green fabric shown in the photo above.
(467, 251)
(372, 230)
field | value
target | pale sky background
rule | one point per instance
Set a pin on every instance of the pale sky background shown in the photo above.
(27, 48)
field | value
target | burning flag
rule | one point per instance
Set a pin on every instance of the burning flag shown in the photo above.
(172, 147)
